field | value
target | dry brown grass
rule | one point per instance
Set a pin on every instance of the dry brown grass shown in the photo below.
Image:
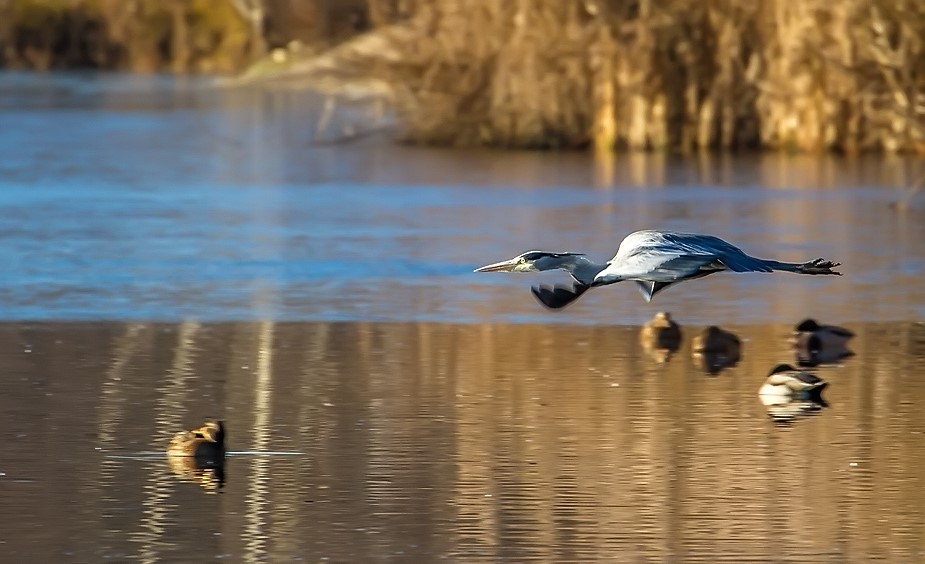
(667, 74)
(178, 35)
(136, 35)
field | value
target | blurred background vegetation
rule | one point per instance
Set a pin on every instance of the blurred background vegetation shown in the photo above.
(679, 75)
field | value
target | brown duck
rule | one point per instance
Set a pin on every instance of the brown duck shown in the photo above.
(661, 332)
(716, 348)
(205, 444)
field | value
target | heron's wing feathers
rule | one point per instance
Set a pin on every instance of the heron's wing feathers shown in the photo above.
(660, 267)
(685, 266)
(558, 296)
(668, 256)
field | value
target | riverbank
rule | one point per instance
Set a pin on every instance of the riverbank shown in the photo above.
(178, 36)
(675, 76)
(667, 76)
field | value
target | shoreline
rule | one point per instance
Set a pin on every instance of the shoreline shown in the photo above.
(545, 74)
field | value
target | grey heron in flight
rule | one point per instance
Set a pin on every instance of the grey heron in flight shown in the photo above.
(653, 259)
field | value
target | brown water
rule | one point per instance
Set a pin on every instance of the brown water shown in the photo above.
(469, 443)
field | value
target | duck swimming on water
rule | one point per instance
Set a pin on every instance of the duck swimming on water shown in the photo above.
(660, 337)
(661, 332)
(653, 259)
(205, 444)
(716, 348)
(815, 344)
(785, 380)
(810, 335)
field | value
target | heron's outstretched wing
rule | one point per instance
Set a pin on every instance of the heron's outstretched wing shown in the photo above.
(667, 256)
(558, 296)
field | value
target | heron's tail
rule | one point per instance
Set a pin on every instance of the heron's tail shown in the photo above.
(818, 266)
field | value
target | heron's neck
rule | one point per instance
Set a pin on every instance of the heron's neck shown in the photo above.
(580, 267)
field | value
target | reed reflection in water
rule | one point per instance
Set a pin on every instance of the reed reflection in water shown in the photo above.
(474, 443)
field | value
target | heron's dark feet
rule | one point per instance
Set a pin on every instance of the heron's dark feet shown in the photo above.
(819, 266)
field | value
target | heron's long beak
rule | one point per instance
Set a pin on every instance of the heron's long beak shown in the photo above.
(503, 266)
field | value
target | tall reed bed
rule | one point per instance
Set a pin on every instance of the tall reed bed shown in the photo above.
(666, 74)
(136, 35)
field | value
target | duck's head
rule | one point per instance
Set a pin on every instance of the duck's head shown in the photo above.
(716, 338)
(714, 332)
(213, 430)
(807, 325)
(662, 319)
(782, 368)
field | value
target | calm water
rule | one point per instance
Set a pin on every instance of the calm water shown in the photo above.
(474, 443)
(147, 199)
(174, 252)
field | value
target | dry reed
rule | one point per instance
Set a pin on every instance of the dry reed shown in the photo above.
(136, 35)
(667, 74)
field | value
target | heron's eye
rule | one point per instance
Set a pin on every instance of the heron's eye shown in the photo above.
(522, 260)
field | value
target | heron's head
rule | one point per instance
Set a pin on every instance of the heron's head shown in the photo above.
(531, 261)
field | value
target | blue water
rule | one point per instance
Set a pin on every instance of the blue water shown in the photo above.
(161, 199)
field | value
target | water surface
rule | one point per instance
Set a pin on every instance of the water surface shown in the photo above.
(173, 251)
(157, 199)
(469, 443)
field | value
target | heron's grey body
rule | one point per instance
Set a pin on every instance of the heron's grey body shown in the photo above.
(653, 259)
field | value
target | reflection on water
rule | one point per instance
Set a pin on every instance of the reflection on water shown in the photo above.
(210, 477)
(476, 443)
(785, 410)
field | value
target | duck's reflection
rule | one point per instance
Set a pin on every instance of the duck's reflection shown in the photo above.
(810, 359)
(209, 476)
(784, 410)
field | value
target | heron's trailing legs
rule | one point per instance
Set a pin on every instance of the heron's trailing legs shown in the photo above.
(817, 266)
(820, 266)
